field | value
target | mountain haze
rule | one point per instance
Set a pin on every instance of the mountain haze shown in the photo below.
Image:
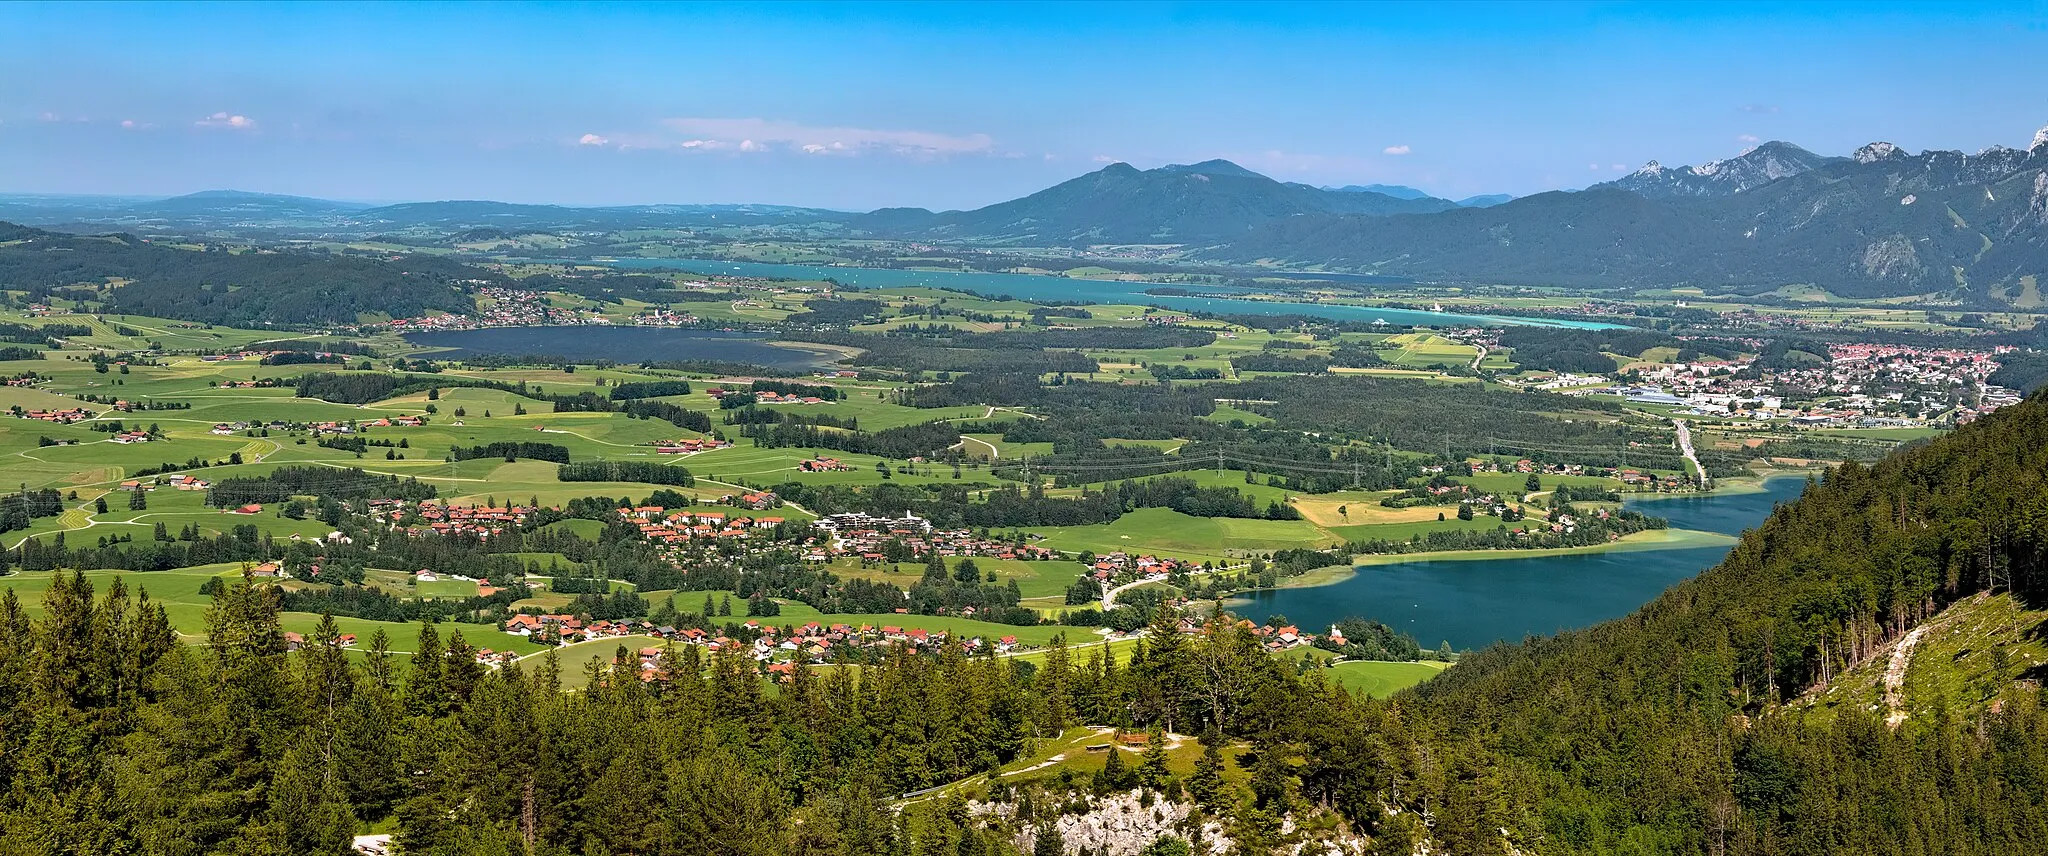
(1398, 191)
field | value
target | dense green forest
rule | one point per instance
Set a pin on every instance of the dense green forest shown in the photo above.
(2025, 371)
(1561, 349)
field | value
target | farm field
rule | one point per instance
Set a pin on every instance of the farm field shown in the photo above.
(1171, 533)
(1424, 349)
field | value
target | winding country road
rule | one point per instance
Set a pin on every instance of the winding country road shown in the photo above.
(1109, 595)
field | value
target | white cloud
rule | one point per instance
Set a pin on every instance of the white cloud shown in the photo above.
(592, 140)
(1750, 139)
(1396, 150)
(1759, 109)
(1592, 166)
(760, 135)
(227, 120)
(127, 123)
(1103, 159)
(1618, 168)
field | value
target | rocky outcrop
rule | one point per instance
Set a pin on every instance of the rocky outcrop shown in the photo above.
(1125, 824)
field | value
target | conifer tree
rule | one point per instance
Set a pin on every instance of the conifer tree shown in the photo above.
(425, 694)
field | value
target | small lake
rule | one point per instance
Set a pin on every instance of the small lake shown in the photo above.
(621, 344)
(1474, 603)
(1058, 288)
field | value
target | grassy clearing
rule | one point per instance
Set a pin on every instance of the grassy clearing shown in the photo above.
(1227, 414)
(1977, 649)
(1380, 680)
(1970, 654)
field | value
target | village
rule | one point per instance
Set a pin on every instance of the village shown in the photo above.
(1859, 386)
(778, 651)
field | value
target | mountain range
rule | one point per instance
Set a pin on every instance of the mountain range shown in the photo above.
(1969, 229)
(1881, 222)
(1754, 168)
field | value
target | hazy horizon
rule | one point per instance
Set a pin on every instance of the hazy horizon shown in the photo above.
(863, 106)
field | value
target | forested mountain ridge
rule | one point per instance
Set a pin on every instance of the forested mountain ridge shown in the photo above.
(237, 288)
(1881, 223)
(1196, 203)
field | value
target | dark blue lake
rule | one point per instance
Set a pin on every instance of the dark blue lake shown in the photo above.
(1474, 603)
(621, 344)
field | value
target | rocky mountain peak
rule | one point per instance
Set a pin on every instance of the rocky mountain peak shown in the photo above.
(1877, 151)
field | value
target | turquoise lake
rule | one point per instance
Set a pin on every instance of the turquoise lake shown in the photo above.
(1058, 288)
(1474, 603)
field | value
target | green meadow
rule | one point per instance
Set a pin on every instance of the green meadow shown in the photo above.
(178, 592)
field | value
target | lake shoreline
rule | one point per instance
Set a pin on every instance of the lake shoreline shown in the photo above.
(828, 354)
(1742, 486)
(1476, 598)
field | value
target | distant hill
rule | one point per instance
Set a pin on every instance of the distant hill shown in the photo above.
(237, 203)
(1120, 204)
(467, 214)
(245, 289)
(267, 212)
(1398, 191)
(1880, 223)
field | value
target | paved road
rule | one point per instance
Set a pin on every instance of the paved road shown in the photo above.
(1685, 446)
(1109, 596)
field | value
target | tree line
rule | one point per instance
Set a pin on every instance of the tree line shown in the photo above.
(511, 450)
(631, 471)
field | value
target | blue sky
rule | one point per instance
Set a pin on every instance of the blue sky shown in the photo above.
(859, 106)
